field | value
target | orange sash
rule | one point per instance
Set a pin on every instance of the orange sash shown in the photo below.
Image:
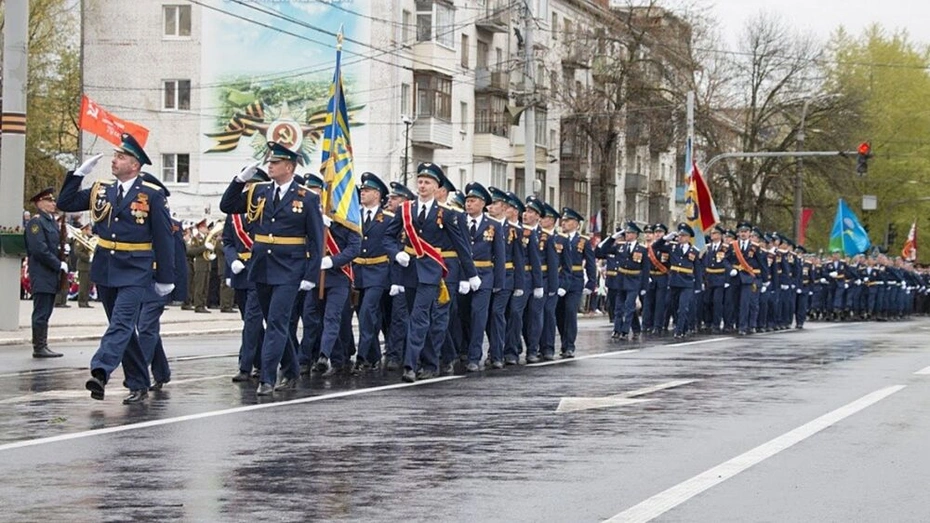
(240, 231)
(333, 248)
(744, 265)
(422, 248)
(655, 261)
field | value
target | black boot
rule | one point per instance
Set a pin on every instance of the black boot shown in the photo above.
(40, 344)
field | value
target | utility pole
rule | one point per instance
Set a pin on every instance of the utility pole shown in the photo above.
(529, 87)
(13, 149)
(798, 177)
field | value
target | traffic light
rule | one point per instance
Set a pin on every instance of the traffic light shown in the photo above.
(864, 152)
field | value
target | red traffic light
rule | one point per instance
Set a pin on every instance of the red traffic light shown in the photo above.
(865, 149)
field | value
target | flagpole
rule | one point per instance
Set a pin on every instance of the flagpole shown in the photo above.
(327, 184)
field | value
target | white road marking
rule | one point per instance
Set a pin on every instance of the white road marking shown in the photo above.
(579, 358)
(924, 371)
(616, 400)
(45, 396)
(671, 498)
(195, 380)
(696, 342)
(214, 413)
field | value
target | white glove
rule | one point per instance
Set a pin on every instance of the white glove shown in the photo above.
(229, 282)
(865, 279)
(845, 285)
(246, 173)
(474, 283)
(395, 290)
(698, 291)
(784, 287)
(163, 289)
(67, 248)
(306, 285)
(858, 282)
(64, 266)
(327, 221)
(800, 291)
(551, 294)
(464, 287)
(518, 292)
(669, 237)
(562, 292)
(617, 235)
(88, 166)
(209, 246)
(833, 274)
(726, 285)
(823, 280)
(326, 263)
(402, 258)
(495, 290)
(538, 292)
(733, 272)
(811, 293)
(236, 266)
(586, 291)
(642, 292)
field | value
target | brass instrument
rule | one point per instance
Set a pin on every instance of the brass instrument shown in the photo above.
(89, 242)
(211, 237)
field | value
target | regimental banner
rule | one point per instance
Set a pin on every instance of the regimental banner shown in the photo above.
(96, 120)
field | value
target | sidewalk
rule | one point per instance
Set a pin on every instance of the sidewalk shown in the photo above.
(74, 324)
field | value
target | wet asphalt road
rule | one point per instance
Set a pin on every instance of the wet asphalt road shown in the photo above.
(488, 447)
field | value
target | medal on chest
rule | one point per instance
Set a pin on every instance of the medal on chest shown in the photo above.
(140, 208)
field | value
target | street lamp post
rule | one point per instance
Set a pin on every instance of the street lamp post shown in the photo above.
(798, 177)
(407, 123)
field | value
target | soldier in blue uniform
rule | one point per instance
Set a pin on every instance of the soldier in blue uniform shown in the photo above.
(837, 273)
(411, 239)
(581, 277)
(748, 262)
(731, 288)
(716, 269)
(532, 285)
(611, 282)
(534, 322)
(372, 270)
(684, 276)
(449, 341)
(395, 307)
(514, 273)
(287, 229)
(237, 247)
(43, 242)
(135, 256)
(655, 302)
(632, 277)
(548, 236)
(806, 279)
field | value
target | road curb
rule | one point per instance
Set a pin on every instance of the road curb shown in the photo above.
(87, 337)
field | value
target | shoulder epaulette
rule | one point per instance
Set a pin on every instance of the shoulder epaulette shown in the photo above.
(563, 235)
(584, 237)
(111, 181)
(387, 213)
(446, 206)
(151, 185)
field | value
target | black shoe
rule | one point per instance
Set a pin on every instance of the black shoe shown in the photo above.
(305, 369)
(63, 306)
(85, 306)
(471, 367)
(45, 352)
(510, 360)
(391, 366)
(242, 377)
(361, 367)
(187, 307)
(743, 333)
(202, 310)
(331, 371)
(548, 357)
(158, 385)
(409, 376)
(96, 384)
(228, 309)
(256, 373)
(532, 358)
(424, 374)
(448, 369)
(614, 335)
(264, 389)
(568, 354)
(286, 384)
(322, 365)
(135, 396)
(497, 364)
(463, 358)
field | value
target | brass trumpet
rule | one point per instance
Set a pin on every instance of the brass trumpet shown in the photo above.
(211, 237)
(89, 242)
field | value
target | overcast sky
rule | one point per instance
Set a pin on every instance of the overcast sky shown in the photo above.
(823, 16)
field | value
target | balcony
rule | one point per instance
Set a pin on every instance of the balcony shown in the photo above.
(431, 132)
(496, 17)
(488, 81)
(431, 56)
(574, 55)
(634, 182)
(637, 133)
(602, 69)
(658, 187)
(492, 146)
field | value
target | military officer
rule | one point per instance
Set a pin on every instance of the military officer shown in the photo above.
(532, 280)
(748, 261)
(632, 275)
(372, 270)
(411, 239)
(542, 244)
(43, 242)
(716, 270)
(287, 229)
(581, 277)
(655, 304)
(135, 256)
(446, 340)
(396, 308)
(684, 276)
(550, 238)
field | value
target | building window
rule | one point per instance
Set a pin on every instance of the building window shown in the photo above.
(433, 95)
(498, 174)
(463, 114)
(435, 21)
(554, 30)
(177, 95)
(491, 115)
(465, 51)
(176, 168)
(463, 175)
(405, 100)
(407, 26)
(177, 20)
(541, 127)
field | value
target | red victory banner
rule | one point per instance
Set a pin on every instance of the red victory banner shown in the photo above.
(96, 120)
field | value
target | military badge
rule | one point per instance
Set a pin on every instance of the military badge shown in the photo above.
(691, 256)
(511, 236)
(664, 257)
(637, 257)
(34, 228)
(558, 247)
(489, 234)
(140, 208)
(439, 217)
(297, 206)
(301, 192)
(720, 256)
(379, 218)
(581, 243)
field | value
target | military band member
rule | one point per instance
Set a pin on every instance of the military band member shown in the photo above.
(411, 240)
(84, 255)
(581, 276)
(287, 226)
(134, 256)
(43, 243)
(535, 321)
(372, 270)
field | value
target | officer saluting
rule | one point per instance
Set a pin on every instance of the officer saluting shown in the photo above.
(134, 256)
(43, 240)
(580, 258)
(286, 221)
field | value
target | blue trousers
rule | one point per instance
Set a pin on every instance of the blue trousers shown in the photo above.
(369, 324)
(513, 342)
(569, 333)
(480, 302)
(149, 339)
(800, 311)
(119, 343)
(747, 293)
(717, 295)
(680, 299)
(277, 347)
(441, 339)
(398, 328)
(547, 341)
(533, 324)
(422, 304)
(624, 308)
(253, 329)
(323, 319)
(497, 324)
(43, 304)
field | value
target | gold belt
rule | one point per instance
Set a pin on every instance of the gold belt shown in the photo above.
(483, 264)
(714, 271)
(577, 268)
(657, 273)
(611, 273)
(683, 270)
(629, 272)
(371, 261)
(245, 255)
(527, 267)
(444, 254)
(280, 240)
(544, 268)
(508, 265)
(123, 246)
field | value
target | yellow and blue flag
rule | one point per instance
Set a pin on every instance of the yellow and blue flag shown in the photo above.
(848, 235)
(340, 199)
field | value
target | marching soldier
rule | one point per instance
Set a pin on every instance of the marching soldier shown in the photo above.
(512, 283)
(655, 304)
(632, 278)
(396, 310)
(372, 271)
(716, 269)
(43, 242)
(748, 262)
(135, 256)
(446, 341)
(581, 277)
(562, 270)
(534, 321)
(287, 226)
(84, 255)
(684, 276)
(805, 290)
(532, 287)
(411, 239)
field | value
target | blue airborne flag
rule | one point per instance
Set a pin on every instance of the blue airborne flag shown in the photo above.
(848, 235)
(340, 199)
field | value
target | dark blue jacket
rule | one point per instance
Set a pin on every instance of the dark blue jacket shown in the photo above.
(532, 266)
(716, 265)
(372, 267)
(579, 258)
(236, 248)
(755, 258)
(43, 239)
(488, 251)
(349, 243)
